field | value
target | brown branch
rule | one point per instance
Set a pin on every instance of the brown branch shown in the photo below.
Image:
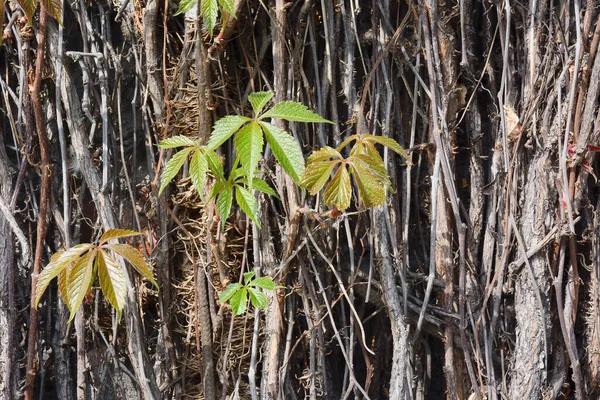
(41, 226)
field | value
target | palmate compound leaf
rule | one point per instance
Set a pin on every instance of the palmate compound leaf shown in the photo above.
(293, 111)
(338, 192)
(224, 128)
(78, 281)
(247, 203)
(198, 171)
(259, 100)
(319, 166)
(209, 10)
(59, 262)
(112, 281)
(286, 150)
(248, 144)
(239, 301)
(185, 6)
(173, 166)
(257, 298)
(135, 258)
(248, 277)
(264, 282)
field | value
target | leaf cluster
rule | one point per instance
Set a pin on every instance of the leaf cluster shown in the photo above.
(364, 164)
(237, 293)
(77, 268)
(249, 136)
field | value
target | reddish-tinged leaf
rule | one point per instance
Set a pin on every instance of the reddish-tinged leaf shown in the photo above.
(339, 191)
(79, 280)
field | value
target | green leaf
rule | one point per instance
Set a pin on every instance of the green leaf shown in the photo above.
(224, 128)
(286, 150)
(316, 175)
(259, 100)
(258, 299)
(248, 144)
(173, 167)
(229, 292)
(293, 111)
(248, 277)
(228, 6)
(135, 258)
(371, 190)
(176, 141)
(339, 191)
(209, 10)
(29, 7)
(324, 154)
(79, 280)
(238, 301)
(264, 187)
(112, 281)
(264, 282)
(116, 233)
(215, 163)
(224, 202)
(198, 171)
(59, 262)
(185, 6)
(247, 203)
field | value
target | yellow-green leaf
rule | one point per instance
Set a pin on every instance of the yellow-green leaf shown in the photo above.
(185, 6)
(259, 100)
(257, 298)
(224, 128)
(248, 144)
(116, 233)
(389, 143)
(112, 281)
(79, 280)
(239, 301)
(371, 190)
(53, 8)
(224, 202)
(339, 191)
(316, 175)
(229, 292)
(135, 258)
(58, 262)
(323, 154)
(62, 285)
(293, 111)
(29, 7)
(176, 141)
(209, 10)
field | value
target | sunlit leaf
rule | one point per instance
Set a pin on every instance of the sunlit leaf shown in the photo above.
(248, 144)
(339, 191)
(293, 111)
(224, 128)
(389, 143)
(79, 280)
(324, 154)
(248, 276)
(239, 301)
(172, 168)
(224, 202)
(370, 188)
(209, 10)
(286, 150)
(215, 163)
(264, 282)
(247, 203)
(258, 299)
(263, 186)
(62, 286)
(116, 233)
(60, 261)
(229, 292)
(176, 141)
(112, 281)
(316, 175)
(135, 258)
(198, 171)
(259, 100)
(185, 6)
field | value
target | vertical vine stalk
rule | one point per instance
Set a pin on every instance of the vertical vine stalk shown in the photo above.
(45, 189)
